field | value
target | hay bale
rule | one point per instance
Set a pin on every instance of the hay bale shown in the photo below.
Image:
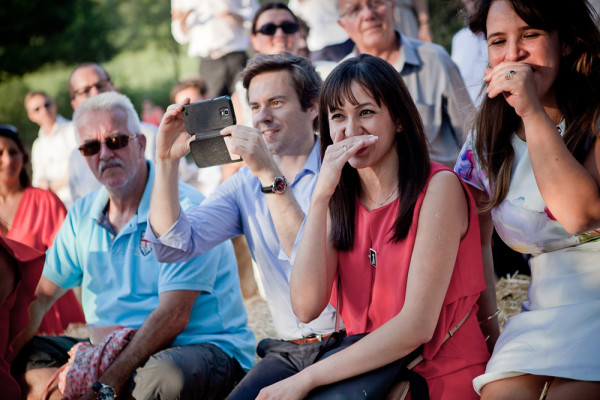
(511, 292)
(259, 318)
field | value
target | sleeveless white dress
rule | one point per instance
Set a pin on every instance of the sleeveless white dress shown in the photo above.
(557, 332)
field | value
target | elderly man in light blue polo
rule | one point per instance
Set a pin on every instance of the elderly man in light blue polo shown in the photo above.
(191, 339)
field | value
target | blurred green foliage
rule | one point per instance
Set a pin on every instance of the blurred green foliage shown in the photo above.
(41, 42)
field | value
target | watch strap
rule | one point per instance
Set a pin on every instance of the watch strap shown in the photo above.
(279, 185)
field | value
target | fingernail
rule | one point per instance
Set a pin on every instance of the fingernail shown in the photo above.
(373, 138)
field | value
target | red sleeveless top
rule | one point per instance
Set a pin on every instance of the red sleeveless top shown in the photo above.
(39, 216)
(371, 296)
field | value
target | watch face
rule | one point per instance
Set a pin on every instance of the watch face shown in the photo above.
(279, 185)
(106, 393)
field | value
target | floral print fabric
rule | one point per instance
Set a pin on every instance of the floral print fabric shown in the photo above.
(522, 220)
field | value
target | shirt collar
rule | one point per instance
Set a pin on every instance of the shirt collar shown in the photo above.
(313, 162)
(408, 53)
(100, 203)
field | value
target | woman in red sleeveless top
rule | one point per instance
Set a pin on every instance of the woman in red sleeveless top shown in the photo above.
(32, 216)
(398, 235)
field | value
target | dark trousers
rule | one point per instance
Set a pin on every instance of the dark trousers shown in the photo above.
(280, 360)
(283, 359)
(221, 74)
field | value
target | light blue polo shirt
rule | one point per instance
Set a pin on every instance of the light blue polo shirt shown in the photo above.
(121, 278)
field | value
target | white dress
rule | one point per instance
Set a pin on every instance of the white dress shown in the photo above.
(557, 331)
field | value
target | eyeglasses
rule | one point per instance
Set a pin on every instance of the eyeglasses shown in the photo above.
(101, 86)
(113, 143)
(46, 105)
(287, 27)
(353, 10)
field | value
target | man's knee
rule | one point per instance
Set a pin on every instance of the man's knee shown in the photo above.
(201, 371)
(159, 378)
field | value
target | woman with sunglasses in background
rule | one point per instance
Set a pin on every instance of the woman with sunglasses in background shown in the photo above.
(274, 29)
(393, 239)
(32, 216)
(534, 165)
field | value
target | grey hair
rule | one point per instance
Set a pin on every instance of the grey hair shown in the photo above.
(110, 101)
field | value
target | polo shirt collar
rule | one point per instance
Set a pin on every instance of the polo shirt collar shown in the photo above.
(101, 201)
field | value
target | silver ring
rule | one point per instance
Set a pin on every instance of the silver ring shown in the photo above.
(509, 74)
(344, 148)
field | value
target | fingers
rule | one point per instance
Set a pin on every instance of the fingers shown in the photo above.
(347, 148)
(247, 143)
(506, 78)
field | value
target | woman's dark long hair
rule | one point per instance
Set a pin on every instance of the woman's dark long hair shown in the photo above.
(577, 87)
(10, 132)
(384, 84)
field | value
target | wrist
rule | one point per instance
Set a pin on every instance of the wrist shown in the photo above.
(104, 391)
(279, 185)
(166, 164)
(268, 175)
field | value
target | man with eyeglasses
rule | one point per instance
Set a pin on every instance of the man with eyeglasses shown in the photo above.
(191, 339)
(87, 80)
(431, 76)
(50, 151)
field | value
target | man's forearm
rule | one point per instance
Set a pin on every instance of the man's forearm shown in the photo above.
(158, 331)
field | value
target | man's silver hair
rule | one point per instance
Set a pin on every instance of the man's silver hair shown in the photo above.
(110, 101)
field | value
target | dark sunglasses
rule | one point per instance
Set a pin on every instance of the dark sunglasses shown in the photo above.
(100, 86)
(45, 105)
(286, 26)
(113, 143)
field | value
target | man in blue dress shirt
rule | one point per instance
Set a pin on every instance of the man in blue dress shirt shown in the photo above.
(266, 200)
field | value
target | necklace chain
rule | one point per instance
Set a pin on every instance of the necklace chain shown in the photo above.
(377, 205)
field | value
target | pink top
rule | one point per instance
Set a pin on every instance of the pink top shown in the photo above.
(371, 296)
(39, 216)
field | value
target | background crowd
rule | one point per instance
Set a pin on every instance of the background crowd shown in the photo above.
(170, 272)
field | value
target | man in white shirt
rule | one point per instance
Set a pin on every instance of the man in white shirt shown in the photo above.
(50, 151)
(216, 32)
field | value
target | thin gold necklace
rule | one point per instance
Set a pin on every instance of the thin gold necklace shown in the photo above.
(377, 205)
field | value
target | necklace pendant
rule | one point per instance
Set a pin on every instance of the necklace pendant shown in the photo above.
(373, 258)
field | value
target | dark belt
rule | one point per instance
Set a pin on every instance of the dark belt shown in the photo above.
(312, 339)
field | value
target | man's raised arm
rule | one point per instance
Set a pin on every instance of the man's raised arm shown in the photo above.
(172, 143)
